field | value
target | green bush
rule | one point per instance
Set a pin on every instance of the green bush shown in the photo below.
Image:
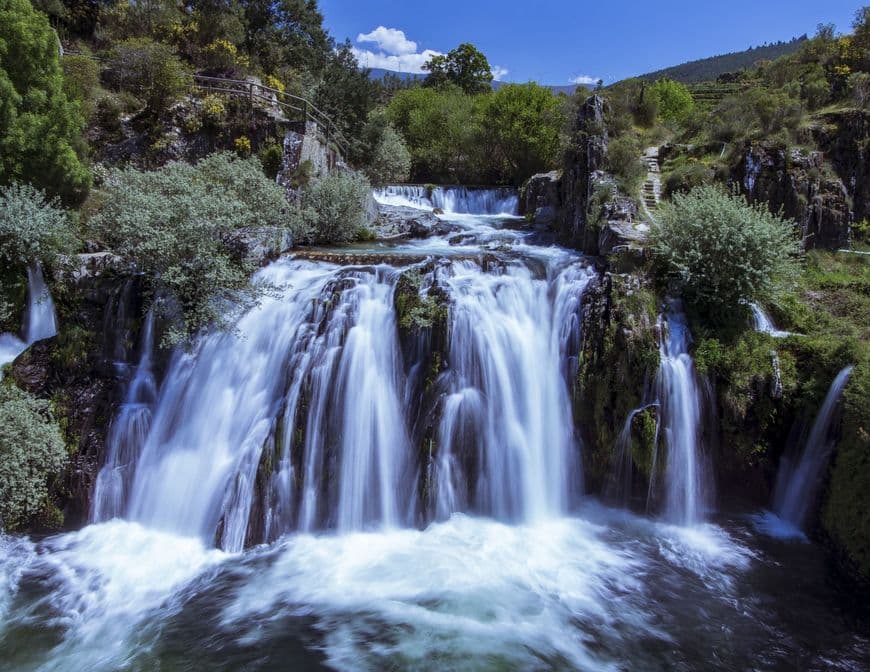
(271, 157)
(623, 160)
(675, 103)
(722, 251)
(32, 227)
(334, 207)
(32, 452)
(180, 225)
(40, 127)
(686, 177)
(150, 70)
(391, 160)
(81, 81)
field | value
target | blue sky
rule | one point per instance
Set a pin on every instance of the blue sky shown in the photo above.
(557, 41)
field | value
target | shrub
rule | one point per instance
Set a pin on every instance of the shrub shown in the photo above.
(40, 128)
(150, 70)
(32, 451)
(859, 85)
(180, 226)
(686, 177)
(213, 110)
(675, 103)
(723, 251)
(623, 160)
(271, 157)
(243, 146)
(81, 81)
(335, 207)
(391, 160)
(224, 55)
(32, 227)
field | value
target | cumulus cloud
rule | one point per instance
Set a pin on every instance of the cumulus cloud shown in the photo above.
(390, 40)
(499, 73)
(394, 51)
(585, 80)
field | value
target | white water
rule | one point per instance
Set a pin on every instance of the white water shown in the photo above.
(764, 324)
(799, 477)
(685, 473)
(40, 320)
(452, 200)
(507, 408)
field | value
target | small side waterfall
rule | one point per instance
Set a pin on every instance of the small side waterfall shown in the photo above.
(799, 479)
(127, 435)
(763, 322)
(40, 319)
(452, 200)
(685, 470)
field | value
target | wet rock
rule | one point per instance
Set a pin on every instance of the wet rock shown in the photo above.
(404, 222)
(540, 199)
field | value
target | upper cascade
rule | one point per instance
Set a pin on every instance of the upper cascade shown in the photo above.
(40, 319)
(502, 201)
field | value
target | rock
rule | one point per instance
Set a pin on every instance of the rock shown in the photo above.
(437, 211)
(404, 222)
(845, 138)
(261, 245)
(802, 187)
(540, 199)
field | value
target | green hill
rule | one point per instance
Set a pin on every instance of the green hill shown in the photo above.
(707, 69)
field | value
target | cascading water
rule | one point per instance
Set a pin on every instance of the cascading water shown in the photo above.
(40, 319)
(507, 410)
(685, 471)
(799, 479)
(127, 435)
(763, 322)
(452, 200)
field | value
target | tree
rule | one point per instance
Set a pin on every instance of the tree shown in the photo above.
(675, 103)
(524, 123)
(150, 70)
(32, 451)
(390, 161)
(723, 251)
(181, 227)
(32, 228)
(40, 128)
(335, 207)
(465, 66)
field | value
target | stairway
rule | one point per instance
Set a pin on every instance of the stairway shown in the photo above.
(652, 186)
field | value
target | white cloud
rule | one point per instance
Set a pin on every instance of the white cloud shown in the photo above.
(404, 63)
(390, 41)
(585, 80)
(499, 73)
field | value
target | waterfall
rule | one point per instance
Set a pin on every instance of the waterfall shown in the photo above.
(798, 481)
(127, 434)
(40, 319)
(300, 420)
(507, 414)
(619, 486)
(685, 472)
(763, 322)
(452, 200)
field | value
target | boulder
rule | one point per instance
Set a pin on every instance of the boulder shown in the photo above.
(404, 222)
(540, 199)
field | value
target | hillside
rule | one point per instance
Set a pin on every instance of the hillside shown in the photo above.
(707, 69)
(379, 74)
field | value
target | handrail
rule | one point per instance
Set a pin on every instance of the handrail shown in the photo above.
(252, 90)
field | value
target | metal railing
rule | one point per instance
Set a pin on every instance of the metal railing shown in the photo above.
(295, 108)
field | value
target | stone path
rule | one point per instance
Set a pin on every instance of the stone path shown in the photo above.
(652, 186)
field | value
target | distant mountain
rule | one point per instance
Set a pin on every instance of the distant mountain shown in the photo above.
(708, 69)
(380, 73)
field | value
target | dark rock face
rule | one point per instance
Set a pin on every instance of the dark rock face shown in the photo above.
(845, 139)
(586, 157)
(84, 371)
(799, 185)
(540, 199)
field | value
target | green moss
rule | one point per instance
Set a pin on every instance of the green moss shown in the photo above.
(643, 441)
(415, 309)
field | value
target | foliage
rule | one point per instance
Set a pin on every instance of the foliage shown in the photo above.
(150, 70)
(32, 452)
(179, 225)
(81, 81)
(523, 125)
(223, 55)
(345, 91)
(242, 146)
(465, 67)
(271, 157)
(722, 251)
(623, 160)
(334, 207)
(675, 103)
(40, 127)
(32, 227)
(686, 177)
(391, 160)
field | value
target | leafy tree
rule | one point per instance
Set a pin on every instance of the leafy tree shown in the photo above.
(32, 452)
(150, 70)
(181, 226)
(675, 103)
(524, 123)
(40, 128)
(722, 251)
(334, 207)
(281, 33)
(32, 227)
(390, 161)
(465, 66)
(346, 92)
